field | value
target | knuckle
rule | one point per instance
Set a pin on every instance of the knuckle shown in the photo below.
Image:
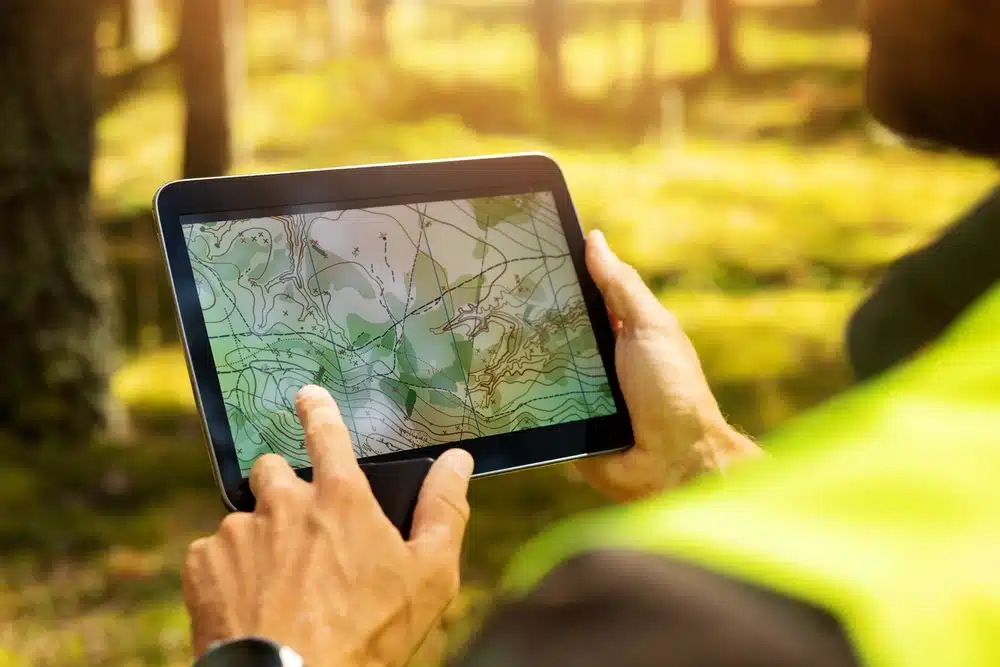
(197, 549)
(666, 320)
(316, 432)
(616, 284)
(195, 556)
(444, 580)
(326, 430)
(458, 504)
(234, 526)
(630, 273)
(279, 493)
(339, 480)
(266, 468)
(316, 522)
(626, 277)
(269, 463)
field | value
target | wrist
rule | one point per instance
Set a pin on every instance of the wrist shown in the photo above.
(250, 652)
(721, 447)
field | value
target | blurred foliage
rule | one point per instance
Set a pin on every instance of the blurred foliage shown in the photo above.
(761, 228)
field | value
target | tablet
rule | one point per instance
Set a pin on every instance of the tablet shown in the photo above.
(442, 304)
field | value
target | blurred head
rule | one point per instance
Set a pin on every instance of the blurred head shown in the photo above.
(934, 70)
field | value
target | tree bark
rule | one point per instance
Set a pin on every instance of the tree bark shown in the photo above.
(139, 28)
(650, 25)
(841, 11)
(209, 50)
(55, 325)
(126, 23)
(339, 33)
(376, 13)
(549, 34)
(722, 15)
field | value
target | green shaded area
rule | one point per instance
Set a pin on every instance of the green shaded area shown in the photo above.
(491, 211)
(339, 273)
(414, 371)
(396, 391)
(480, 283)
(388, 340)
(464, 353)
(411, 400)
(360, 331)
(446, 400)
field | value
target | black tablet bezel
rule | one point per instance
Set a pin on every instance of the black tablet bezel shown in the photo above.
(411, 182)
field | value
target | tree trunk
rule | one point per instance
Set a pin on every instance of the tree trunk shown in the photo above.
(650, 24)
(376, 13)
(723, 18)
(305, 38)
(210, 53)
(838, 12)
(549, 35)
(339, 33)
(123, 10)
(139, 27)
(58, 347)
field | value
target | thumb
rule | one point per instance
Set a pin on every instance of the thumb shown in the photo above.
(442, 510)
(625, 294)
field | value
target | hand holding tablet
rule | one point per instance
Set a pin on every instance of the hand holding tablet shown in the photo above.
(680, 431)
(440, 303)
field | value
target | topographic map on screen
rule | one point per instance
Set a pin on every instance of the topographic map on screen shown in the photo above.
(428, 323)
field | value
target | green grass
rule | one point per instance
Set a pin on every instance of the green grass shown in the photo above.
(762, 248)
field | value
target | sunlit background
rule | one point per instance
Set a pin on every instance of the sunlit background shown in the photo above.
(721, 145)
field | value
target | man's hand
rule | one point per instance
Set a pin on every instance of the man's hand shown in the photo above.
(318, 567)
(679, 430)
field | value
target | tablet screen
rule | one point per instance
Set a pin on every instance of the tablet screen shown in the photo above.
(429, 323)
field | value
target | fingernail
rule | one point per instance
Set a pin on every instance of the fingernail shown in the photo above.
(460, 461)
(310, 393)
(601, 243)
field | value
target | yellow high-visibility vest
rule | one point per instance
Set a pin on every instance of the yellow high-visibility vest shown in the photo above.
(882, 507)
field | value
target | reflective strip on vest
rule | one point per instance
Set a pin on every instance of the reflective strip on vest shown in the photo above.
(881, 506)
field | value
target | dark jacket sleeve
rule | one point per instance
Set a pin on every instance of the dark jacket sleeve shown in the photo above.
(925, 291)
(629, 609)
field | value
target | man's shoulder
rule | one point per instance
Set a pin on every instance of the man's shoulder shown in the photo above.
(631, 609)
